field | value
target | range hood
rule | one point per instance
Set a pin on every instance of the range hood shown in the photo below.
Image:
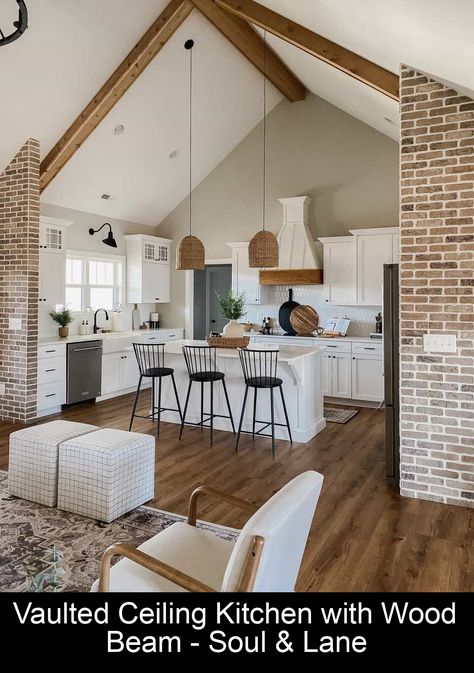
(299, 262)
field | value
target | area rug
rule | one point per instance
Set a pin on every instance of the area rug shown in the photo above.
(45, 549)
(333, 415)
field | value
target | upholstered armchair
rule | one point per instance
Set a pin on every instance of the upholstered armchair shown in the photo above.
(183, 557)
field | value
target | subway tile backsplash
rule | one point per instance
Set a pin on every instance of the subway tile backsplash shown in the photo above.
(362, 317)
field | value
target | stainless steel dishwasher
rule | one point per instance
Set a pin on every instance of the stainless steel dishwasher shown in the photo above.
(84, 371)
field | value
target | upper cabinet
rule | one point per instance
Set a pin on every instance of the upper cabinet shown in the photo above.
(148, 269)
(52, 270)
(353, 265)
(245, 279)
(52, 236)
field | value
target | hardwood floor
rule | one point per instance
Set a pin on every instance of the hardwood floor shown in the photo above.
(365, 537)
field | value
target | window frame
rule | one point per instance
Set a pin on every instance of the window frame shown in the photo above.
(119, 276)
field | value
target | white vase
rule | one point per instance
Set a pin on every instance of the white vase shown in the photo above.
(233, 330)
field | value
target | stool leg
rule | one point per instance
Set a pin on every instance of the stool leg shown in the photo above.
(228, 405)
(212, 412)
(153, 405)
(273, 420)
(254, 411)
(177, 397)
(202, 405)
(135, 403)
(185, 409)
(159, 408)
(241, 418)
(286, 414)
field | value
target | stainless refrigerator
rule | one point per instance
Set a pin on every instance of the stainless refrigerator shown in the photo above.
(391, 339)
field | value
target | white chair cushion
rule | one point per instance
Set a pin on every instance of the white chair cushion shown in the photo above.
(194, 551)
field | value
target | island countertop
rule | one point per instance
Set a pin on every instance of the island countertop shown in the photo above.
(288, 354)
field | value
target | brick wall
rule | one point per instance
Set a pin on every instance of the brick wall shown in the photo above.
(437, 286)
(19, 243)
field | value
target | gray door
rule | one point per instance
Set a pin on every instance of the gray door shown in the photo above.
(214, 280)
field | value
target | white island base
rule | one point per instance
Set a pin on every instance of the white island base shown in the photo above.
(298, 366)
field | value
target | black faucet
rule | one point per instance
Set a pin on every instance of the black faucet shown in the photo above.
(95, 318)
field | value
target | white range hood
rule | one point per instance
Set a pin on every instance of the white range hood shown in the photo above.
(298, 256)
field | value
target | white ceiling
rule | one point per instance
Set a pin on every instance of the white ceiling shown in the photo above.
(71, 47)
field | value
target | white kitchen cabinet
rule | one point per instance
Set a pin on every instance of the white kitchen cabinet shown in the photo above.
(52, 234)
(245, 279)
(119, 372)
(52, 288)
(51, 390)
(340, 270)
(367, 378)
(373, 251)
(148, 269)
(326, 374)
(336, 375)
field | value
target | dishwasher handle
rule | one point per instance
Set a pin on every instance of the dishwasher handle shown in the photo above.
(89, 348)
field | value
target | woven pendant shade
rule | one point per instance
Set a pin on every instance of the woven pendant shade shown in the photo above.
(263, 250)
(190, 254)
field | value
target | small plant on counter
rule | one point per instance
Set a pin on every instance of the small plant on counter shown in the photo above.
(232, 307)
(64, 318)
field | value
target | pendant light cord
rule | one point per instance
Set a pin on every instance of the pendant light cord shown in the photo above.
(264, 128)
(190, 133)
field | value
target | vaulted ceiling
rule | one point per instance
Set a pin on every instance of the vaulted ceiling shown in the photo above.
(71, 48)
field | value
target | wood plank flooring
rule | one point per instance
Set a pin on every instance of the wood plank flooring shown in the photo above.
(365, 537)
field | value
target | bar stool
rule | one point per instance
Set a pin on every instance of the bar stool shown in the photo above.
(260, 371)
(201, 362)
(151, 364)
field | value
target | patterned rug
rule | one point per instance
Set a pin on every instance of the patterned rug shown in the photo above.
(333, 415)
(45, 549)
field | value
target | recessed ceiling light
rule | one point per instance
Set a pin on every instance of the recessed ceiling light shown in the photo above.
(104, 196)
(119, 129)
(390, 121)
(173, 154)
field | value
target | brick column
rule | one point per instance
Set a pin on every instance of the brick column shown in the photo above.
(437, 286)
(19, 245)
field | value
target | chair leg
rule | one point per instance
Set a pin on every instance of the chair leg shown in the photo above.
(185, 409)
(241, 417)
(211, 420)
(153, 405)
(159, 409)
(177, 397)
(202, 405)
(228, 405)
(254, 411)
(286, 414)
(135, 403)
(272, 410)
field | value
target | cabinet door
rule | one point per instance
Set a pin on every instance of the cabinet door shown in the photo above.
(367, 378)
(341, 375)
(340, 272)
(396, 248)
(51, 238)
(155, 283)
(52, 293)
(326, 374)
(373, 251)
(128, 370)
(111, 372)
(245, 279)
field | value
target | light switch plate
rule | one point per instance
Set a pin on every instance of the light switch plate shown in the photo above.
(439, 343)
(14, 323)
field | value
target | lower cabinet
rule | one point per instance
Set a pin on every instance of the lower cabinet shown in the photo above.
(336, 375)
(119, 371)
(367, 378)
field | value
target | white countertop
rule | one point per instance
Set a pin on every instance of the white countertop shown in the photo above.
(74, 338)
(286, 353)
(321, 339)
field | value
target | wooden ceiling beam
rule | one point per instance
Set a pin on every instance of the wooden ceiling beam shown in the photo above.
(352, 64)
(250, 44)
(114, 88)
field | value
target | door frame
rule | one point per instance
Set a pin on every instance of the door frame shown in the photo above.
(189, 295)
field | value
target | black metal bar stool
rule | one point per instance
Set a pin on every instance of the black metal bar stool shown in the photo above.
(260, 371)
(151, 364)
(201, 362)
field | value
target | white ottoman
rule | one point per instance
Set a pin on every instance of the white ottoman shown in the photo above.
(33, 459)
(106, 473)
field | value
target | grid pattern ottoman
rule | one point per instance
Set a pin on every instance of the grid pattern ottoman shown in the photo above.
(106, 473)
(33, 459)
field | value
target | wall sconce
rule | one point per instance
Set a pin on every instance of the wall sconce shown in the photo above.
(110, 240)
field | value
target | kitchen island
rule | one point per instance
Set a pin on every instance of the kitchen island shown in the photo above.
(298, 366)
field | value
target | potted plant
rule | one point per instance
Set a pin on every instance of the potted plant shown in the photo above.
(64, 318)
(232, 307)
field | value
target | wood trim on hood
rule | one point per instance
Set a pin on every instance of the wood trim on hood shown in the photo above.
(291, 277)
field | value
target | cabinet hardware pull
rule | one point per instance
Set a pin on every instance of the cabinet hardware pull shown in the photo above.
(52, 351)
(50, 370)
(51, 395)
(89, 348)
(172, 335)
(367, 348)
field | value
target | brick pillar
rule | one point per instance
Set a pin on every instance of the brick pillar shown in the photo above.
(437, 286)
(19, 244)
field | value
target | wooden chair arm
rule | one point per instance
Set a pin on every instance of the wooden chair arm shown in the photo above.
(209, 490)
(168, 572)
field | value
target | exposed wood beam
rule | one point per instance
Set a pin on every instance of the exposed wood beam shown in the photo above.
(118, 83)
(354, 65)
(250, 44)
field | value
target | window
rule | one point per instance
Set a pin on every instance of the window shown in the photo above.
(91, 281)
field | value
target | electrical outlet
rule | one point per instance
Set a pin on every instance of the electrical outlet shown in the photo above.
(2, 389)
(439, 343)
(14, 323)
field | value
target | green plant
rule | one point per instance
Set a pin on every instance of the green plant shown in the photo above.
(232, 305)
(63, 317)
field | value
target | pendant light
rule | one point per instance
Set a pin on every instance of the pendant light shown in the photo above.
(20, 26)
(263, 248)
(190, 253)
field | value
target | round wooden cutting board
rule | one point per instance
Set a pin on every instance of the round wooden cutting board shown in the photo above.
(304, 319)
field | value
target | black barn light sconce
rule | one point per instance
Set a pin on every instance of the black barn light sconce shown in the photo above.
(110, 240)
